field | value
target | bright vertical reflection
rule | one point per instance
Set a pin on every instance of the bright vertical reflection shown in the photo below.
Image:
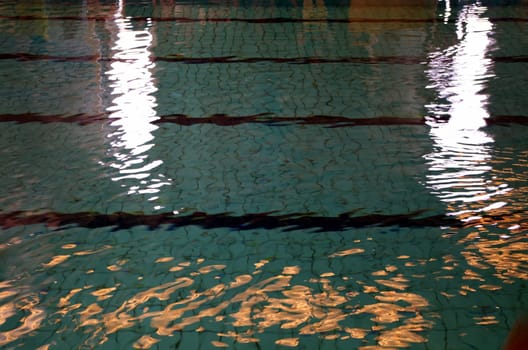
(466, 169)
(133, 107)
(460, 163)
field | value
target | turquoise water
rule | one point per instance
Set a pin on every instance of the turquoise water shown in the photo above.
(262, 174)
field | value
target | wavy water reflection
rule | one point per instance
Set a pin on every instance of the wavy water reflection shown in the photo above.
(468, 170)
(370, 279)
(249, 305)
(107, 297)
(21, 305)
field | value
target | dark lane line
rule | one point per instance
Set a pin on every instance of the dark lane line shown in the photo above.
(217, 119)
(410, 60)
(221, 20)
(266, 221)
(23, 56)
(250, 20)
(81, 119)
(294, 60)
(261, 118)
(269, 119)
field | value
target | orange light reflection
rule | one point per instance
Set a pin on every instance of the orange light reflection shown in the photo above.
(319, 307)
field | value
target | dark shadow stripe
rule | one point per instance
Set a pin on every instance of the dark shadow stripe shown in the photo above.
(219, 120)
(268, 119)
(261, 118)
(510, 59)
(294, 60)
(82, 119)
(289, 20)
(222, 20)
(56, 18)
(507, 19)
(507, 120)
(251, 20)
(23, 56)
(267, 221)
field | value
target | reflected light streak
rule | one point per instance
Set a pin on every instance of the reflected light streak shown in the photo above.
(460, 163)
(460, 168)
(447, 11)
(133, 106)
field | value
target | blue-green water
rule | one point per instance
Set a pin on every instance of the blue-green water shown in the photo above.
(262, 174)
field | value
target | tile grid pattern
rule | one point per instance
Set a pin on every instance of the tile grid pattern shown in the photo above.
(90, 277)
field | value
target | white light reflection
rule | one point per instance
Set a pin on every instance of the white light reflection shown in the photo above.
(460, 163)
(133, 107)
(447, 12)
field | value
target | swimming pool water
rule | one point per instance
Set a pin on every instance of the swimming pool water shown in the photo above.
(262, 174)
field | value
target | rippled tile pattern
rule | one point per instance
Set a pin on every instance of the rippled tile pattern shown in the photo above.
(263, 174)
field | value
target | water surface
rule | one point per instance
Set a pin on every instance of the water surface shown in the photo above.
(262, 174)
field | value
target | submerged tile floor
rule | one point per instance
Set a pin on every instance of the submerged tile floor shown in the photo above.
(262, 174)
